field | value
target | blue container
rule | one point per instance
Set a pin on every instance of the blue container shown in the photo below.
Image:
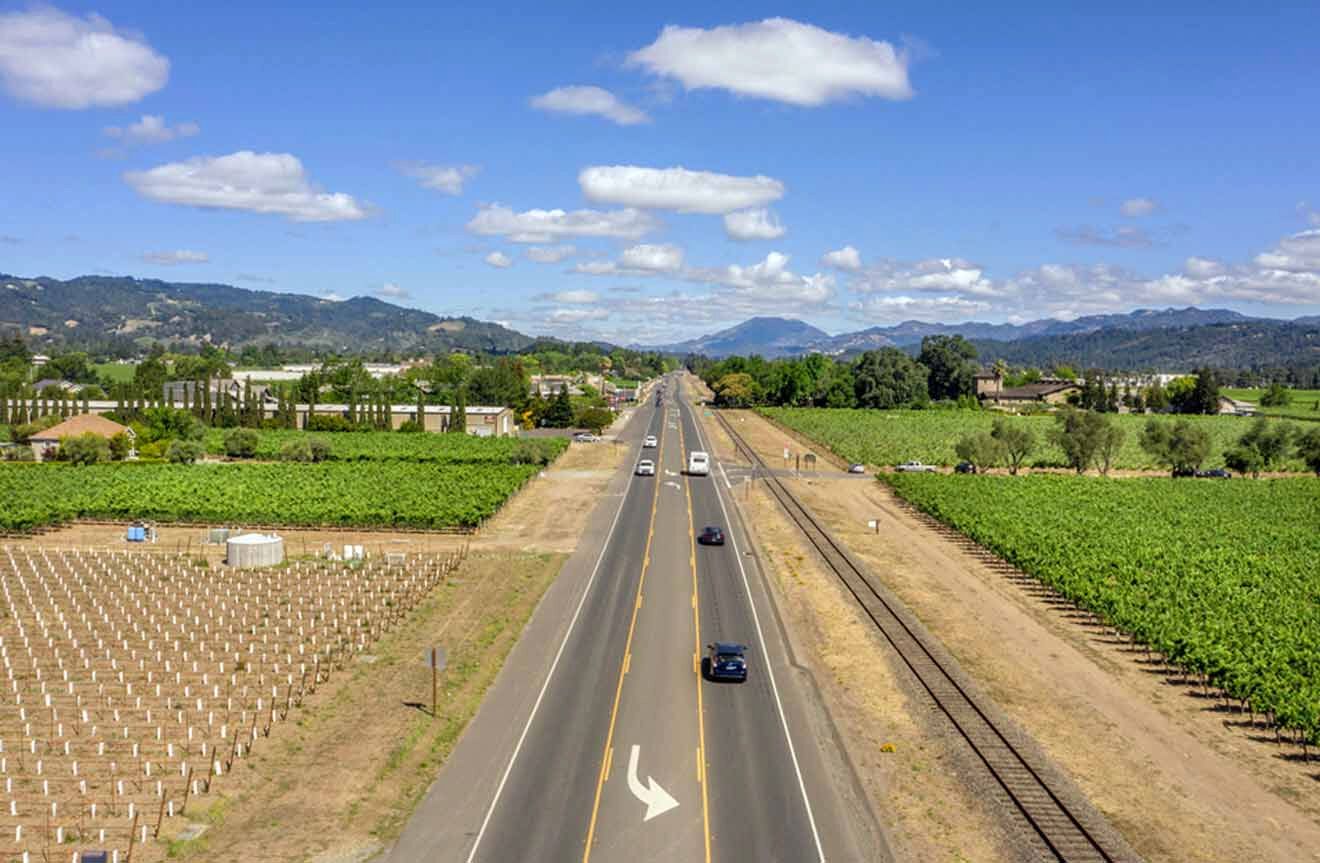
(137, 534)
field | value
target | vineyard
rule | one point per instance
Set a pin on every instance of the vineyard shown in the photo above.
(387, 446)
(1219, 578)
(135, 681)
(384, 494)
(892, 437)
(1305, 404)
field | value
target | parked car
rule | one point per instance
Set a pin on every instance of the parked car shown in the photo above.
(915, 467)
(650, 441)
(857, 467)
(698, 463)
(1214, 473)
(711, 536)
(646, 467)
(1179, 472)
(585, 437)
(964, 467)
(726, 661)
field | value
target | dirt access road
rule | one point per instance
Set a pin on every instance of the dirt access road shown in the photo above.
(1179, 779)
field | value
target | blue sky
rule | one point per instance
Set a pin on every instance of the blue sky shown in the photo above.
(913, 160)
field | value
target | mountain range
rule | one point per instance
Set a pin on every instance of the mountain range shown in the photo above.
(98, 310)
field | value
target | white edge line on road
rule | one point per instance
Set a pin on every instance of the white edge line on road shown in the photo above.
(727, 484)
(485, 822)
(765, 653)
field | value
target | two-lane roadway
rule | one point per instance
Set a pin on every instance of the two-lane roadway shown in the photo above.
(601, 740)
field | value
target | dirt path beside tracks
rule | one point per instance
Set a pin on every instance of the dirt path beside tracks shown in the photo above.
(1180, 780)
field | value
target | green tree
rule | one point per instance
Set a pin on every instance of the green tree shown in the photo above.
(1308, 449)
(151, 374)
(84, 449)
(736, 390)
(951, 363)
(184, 451)
(559, 415)
(1180, 446)
(1018, 441)
(1277, 396)
(241, 443)
(458, 412)
(889, 378)
(1261, 447)
(1201, 398)
(981, 449)
(120, 446)
(594, 418)
(1085, 437)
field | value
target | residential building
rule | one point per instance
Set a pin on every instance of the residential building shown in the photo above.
(46, 444)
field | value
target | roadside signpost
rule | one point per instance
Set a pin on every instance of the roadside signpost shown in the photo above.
(435, 660)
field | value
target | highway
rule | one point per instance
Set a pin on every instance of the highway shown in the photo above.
(601, 741)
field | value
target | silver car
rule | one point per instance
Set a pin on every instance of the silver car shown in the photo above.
(650, 441)
(646, 467)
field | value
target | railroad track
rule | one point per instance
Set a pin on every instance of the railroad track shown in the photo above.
(1060, 832)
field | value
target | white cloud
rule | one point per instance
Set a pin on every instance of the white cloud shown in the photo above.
(255, 182)
(645, 259)
(544, 226)
(778, 59)
(1297, 253)
(1122, 237)
(57, 60)
(1311, 215)
(769, 280)
(757, 224)
(550, 254)
(499, 259)
(584, 100)
(847, 259)
(575, 297)
(889, 309)
(448, 179)
(1203, 268)
(933, 275)
(180, 256)
(391, 291)
(1136, 207)
(573, 316)
(151, 129)
(676, 189)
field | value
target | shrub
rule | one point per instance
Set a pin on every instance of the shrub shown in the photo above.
(241, 443)
(411, 427)
(319, 448)
(84, 449)
(120, 446)
(330, 424)
(531, 452)
(296, 450)
(184, 451)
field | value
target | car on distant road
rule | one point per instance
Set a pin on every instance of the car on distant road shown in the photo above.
(646, 467)
(650, 441)
(857, 467)
(915, 467)
(726, 661)
(1214, 473)
(711, 536)
(698, 463)
(964, 467)
(585, 437)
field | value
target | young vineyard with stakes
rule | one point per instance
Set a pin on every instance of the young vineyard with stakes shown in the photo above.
(134, 681)
(1220, 579)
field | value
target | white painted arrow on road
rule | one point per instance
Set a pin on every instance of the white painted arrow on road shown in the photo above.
(657, 799)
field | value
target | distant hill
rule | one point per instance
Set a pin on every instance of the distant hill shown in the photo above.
(776, 337)
(770, 337)
(101, 309)
(1247, 344)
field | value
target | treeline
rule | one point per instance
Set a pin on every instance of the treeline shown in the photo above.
(942, 372)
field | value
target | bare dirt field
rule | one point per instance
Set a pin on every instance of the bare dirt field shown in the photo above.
(1180, 780)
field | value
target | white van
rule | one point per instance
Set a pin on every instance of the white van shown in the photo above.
(698, 463)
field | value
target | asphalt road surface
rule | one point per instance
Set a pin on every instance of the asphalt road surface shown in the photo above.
(602, 741)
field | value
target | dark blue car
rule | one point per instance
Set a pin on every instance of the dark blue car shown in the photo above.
(726, 661)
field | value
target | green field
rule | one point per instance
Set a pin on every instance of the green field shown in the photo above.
(1303, 405)
(118, 373)
(1222, 578)
(892, 437)
(383, 494)
(394, 446)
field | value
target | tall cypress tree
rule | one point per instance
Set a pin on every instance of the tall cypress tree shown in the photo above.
(458, 412)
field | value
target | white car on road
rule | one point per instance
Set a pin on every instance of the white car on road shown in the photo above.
(915, 467)
(698, 463)
(646, 467)
(650, 441)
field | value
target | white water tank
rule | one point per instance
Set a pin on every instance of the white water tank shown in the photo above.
(254, 549)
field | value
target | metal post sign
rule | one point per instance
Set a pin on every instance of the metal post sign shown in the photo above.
(434, 658)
